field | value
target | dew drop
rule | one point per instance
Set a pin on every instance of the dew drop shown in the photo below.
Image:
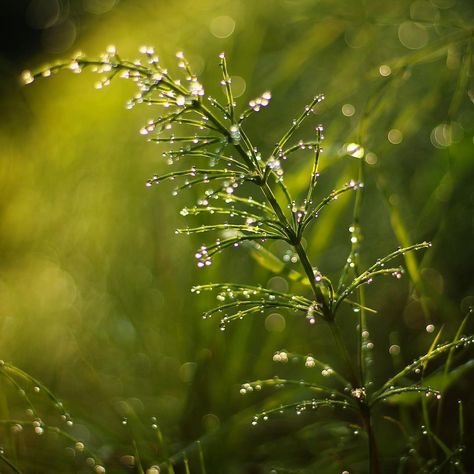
(430, 328)
(395, 136)
(348, 110)
(16, 428)
(354, 149)
(27, 77)
(394, 349)
(385, 70)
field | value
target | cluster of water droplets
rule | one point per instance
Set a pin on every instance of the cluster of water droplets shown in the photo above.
(235, 134)
(274, 164)
(261, 101)
(358, 393)
(290, 256)
(280, 356)
(203, 258)
(250, 387)
(313, 310)
(367, 344)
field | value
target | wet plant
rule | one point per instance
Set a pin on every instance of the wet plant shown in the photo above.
(35, 412)
(245, 201)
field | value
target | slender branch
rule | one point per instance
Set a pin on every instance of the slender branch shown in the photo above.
(374, 463)
(343, 351)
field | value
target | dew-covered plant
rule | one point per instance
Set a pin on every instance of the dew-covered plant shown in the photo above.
(36, 412)
(245, 200)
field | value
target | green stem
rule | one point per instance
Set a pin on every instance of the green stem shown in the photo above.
(310, 274)
(344, 353)
(296, 243)
(355, 258)
(275, 206)
(374, 461)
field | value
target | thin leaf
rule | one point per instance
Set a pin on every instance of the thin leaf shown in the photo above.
(201, 457)
(314, 213)
(280, 383)
(439, 382)
(296, 124)
(401, 392)
(302, 406)
(418, 362)
(432, 347)
(9, 463)
(226, 82)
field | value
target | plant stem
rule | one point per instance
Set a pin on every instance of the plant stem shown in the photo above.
(342, 348)
(318, 294)
(275, 205)
(363, 366)
(310, 274)
(374, 462)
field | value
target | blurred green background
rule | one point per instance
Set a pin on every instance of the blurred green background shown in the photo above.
(94, 284)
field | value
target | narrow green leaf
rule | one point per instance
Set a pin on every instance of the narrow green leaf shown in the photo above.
(432, 347)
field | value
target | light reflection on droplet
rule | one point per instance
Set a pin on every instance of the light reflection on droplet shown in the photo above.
(430, 328)
(42, 14)
(385, 70)
(371, 158)
(275, 322)
(413, 35)
(278, 283)
(395, 136)
(27, 77)
(79, 446)
(394, 349)
(444, 134)
(39, 430)
(60, 37)
(153, 470)
(239, 86)
(354, 149)
(222, 26)
(423, 10)
(348, 110)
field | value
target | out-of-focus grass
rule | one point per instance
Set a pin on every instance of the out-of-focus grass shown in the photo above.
(94, 285)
